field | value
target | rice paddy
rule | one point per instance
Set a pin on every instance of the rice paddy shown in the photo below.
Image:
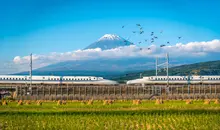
(110, 114)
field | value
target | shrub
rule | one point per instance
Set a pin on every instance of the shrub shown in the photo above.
(216, 101)
(20, 103)
(159, 101)
(39, 103)
(90, 102)
(5, 103)
(207, 101)
(28, 102)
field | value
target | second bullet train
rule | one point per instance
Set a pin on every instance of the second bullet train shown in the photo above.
(87, 80)
(176, 80)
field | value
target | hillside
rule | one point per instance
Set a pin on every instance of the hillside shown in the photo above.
(202, 68)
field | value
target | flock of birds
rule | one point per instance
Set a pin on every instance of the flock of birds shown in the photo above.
(151, 40)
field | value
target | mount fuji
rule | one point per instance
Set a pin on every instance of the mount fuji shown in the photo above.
(109, 41)
(97, 67)
(105, 67)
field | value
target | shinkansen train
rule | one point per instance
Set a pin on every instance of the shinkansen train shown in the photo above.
(177, 80)
(90, 80)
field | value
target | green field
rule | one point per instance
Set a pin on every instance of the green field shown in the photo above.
(119, 115)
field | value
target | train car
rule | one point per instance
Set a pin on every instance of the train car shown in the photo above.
(24, 79)
(177, 80)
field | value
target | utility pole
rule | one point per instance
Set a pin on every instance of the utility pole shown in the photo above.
(30, 73)
(167, 72)
(156, 66)
(165, 64)
(140, 75)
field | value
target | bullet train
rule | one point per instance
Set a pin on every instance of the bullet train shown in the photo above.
(177, 80)
(87, 80)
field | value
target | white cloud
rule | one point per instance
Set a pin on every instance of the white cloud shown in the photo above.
(192, 49)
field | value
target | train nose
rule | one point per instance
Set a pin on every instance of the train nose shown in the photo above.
(112, 82)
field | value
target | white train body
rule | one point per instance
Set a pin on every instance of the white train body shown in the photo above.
(89, 80)
(177, 80)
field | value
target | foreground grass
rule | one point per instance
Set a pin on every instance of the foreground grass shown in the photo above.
(119, 115)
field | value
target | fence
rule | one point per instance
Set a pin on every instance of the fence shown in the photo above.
(72, 92)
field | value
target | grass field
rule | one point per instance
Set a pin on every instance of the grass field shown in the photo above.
(119, 115)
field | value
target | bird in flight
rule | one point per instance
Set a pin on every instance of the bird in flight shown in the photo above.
(138, 24)
(168, 42)
(134, 31)
(139, 42)
(141, 32)
(162, 45)
(155, 37)
(123, 26)
(148, 48)
(161, 31)
(179, 37)
(145, 40)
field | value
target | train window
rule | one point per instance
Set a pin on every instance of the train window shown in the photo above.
(43, 77)
(211, 78)
(3, 78)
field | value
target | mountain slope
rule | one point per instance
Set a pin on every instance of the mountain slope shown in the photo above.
(109, 41)
(202, 68)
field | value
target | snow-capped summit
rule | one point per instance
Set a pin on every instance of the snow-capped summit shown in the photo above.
(109, 41)
(109, 37)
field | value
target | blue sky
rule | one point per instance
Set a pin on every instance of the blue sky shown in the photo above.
(45, 26)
